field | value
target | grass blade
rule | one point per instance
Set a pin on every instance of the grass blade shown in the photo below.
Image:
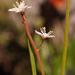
(32, 59)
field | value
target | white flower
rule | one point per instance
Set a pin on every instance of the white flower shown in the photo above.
(19, 7)
(43, 33)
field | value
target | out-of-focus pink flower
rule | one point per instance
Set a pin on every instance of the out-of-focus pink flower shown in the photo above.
(60, 5)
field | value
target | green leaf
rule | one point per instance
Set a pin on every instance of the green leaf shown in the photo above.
(32, 59)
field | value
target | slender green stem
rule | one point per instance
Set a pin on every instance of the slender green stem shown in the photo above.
(64, 58)
(36, 51)
(32, 59)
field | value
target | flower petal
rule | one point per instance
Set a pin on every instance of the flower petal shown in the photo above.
(50, 32)
(13, 9)
(51, 36)
(37, 32)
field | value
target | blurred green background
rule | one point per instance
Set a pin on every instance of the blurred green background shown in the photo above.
(14, 54)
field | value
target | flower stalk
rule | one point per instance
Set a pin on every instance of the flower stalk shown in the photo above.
(20, 7)
(65, 51)
(36, 51)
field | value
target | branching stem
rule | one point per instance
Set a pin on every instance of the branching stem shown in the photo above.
(36, 51)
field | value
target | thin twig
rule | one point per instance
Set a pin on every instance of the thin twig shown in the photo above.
(36, 51)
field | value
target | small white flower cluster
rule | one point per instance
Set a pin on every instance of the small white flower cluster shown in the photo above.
(43, 33)
(19, 7)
